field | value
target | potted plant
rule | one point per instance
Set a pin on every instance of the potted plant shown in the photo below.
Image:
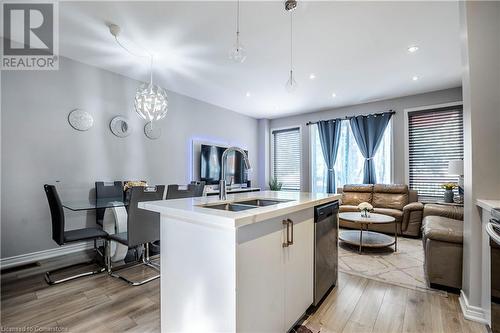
(448, 192)
(274, 185)
(365, 208)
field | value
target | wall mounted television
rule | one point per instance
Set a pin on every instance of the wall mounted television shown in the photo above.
(210, 166)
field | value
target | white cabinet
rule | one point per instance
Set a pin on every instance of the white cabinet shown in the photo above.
(274, 283)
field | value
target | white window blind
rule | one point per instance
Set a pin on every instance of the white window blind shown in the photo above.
(435, 137)
(286, 157)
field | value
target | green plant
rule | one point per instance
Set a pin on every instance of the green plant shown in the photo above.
(274, 185)
(449, 186)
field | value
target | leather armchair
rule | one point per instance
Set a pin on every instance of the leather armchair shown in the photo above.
(389, 199)
(442, 239)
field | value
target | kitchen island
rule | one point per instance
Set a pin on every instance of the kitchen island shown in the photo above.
(240, 265)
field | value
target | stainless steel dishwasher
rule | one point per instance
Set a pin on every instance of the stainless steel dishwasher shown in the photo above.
(325, 249)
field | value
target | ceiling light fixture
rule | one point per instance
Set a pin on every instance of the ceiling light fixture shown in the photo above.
(248, 94)
(291, 84)
(415, 78)
(334, 95)
(413, 49)
(238, 52)
(312, 76)
(151, 102)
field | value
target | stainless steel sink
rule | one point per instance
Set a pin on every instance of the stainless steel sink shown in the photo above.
(230, 207)
(261, 202)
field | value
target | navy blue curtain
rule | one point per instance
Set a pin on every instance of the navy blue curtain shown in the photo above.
(329, 136)
(368, 132)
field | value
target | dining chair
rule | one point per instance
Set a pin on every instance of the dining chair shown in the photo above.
(143, 227)
(107, 190)
(188, 191)
(62, 237)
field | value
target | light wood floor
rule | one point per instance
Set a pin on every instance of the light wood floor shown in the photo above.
(104, 304)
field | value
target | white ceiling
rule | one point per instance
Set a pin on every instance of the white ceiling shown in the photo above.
(358, 50)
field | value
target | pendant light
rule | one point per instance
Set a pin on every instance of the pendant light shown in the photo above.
(291, 83)
(150, 102)
(238, 53)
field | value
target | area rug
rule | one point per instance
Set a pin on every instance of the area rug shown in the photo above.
(404, 267)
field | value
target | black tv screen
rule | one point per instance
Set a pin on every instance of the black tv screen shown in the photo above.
(210, 166)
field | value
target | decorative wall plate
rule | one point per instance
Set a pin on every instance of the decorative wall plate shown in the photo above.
(120, 127)
(151, 131)
(80, 120)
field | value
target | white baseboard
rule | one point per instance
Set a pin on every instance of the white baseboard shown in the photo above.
(474, 313)
(42, 255)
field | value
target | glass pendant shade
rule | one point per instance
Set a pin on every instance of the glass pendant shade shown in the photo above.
(238, 53)
(291, 84)
(151, 102)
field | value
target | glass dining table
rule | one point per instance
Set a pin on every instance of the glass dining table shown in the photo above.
(79, 205)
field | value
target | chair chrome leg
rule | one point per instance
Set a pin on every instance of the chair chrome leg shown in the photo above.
(145, 261)
(50, 281)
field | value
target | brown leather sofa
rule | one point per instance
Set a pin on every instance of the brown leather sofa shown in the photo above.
(388, 199)
(442, 237)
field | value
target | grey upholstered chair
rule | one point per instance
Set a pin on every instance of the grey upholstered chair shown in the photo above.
(61, 237)
(104, 190)
(143, 227)
(189, 191)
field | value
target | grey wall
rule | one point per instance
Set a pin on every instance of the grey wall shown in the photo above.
(38, 145)
(480, 28)
(397, 104)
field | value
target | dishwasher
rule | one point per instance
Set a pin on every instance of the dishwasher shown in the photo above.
(325, 249)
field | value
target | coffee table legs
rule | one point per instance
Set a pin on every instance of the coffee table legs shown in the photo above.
(395, 236)
(360, 238)
(363, 225)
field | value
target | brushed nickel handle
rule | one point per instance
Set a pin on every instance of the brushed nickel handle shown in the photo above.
(290, 242)
(287, 241)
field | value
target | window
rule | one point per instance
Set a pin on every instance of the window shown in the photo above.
(350, 162)
(286, 151)
(434, 138)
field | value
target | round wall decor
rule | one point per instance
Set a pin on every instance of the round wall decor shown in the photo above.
(80, 120)
(120, 127)
(151, 131)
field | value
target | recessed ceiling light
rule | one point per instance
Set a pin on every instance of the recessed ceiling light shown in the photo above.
(312, 76)
(414, 78)
(413, 49)
(248, 94)
(334, 95)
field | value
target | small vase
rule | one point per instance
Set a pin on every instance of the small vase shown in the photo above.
(448, 196)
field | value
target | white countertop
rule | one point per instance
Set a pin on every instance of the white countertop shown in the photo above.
(189, 209)
(488, 204)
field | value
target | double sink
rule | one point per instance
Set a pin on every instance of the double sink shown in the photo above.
(239, 206)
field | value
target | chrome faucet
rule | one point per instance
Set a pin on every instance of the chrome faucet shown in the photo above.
(222, 182)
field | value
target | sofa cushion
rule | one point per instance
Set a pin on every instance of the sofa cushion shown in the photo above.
(443, 229)
(397, 214)
(348, 208)
(393, 196)
(355, 194)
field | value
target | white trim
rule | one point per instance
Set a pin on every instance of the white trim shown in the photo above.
(271, 151)
(406, 134)
(28, 258)
(474, 313)
(435, 106)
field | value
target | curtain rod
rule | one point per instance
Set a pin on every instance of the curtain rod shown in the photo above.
(349, 117)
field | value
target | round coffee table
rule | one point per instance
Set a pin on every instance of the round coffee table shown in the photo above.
(364, 237)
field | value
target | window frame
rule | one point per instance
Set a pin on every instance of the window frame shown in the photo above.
(434, 107)
(301, 151)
